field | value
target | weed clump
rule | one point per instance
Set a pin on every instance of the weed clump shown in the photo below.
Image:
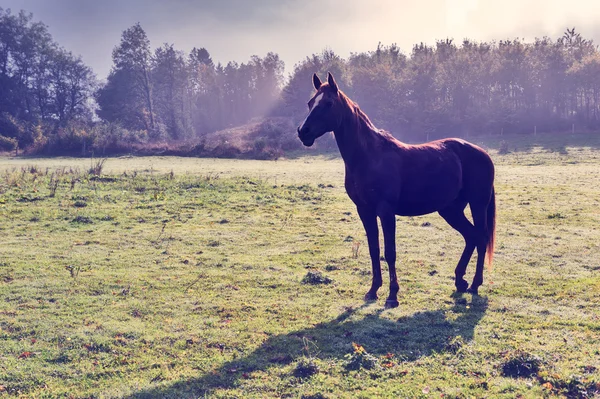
(306, 368)
(83, 219)
(314, 396)
(521, 364)
(574, 386)
(316, 278)
(361, 359)
(96, 167)
(455, 344)
(556, 215)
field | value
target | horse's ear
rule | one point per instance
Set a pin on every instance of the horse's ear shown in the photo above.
(331, 82)
(316, 81)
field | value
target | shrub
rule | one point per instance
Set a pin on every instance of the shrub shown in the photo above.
(10, 126)
(7, 143)
(260, 144)
(74, 138)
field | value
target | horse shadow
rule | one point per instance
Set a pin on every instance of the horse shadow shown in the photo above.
(408, 338)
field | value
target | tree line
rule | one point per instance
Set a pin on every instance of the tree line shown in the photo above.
(51, 101)
(42, 86)
(173, 95)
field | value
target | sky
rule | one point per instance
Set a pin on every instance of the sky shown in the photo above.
(234, 30)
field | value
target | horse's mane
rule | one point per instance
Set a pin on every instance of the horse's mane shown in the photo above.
(380, 135)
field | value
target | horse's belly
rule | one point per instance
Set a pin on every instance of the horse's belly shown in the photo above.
(419, 208)
(427, 199)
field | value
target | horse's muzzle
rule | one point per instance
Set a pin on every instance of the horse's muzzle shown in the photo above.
(305, 138)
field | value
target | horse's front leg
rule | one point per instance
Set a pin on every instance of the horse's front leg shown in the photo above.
(388, 224)
(369, 220)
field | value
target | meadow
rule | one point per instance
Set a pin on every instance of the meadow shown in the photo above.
(170, 277)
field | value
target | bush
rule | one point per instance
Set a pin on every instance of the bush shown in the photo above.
(26, 134)
(111, 138)
(272, 130)
(275, 135)
(225, 150)
(72, 139)
(7, 144)
(10, 126)
(260, 144)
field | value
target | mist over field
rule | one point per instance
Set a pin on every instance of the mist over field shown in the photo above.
(179, 77)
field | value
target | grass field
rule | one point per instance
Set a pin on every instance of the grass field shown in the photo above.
(186, 278)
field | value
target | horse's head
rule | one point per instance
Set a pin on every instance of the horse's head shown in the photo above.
(324, 111)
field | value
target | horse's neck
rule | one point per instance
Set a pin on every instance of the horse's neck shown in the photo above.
(355, 138)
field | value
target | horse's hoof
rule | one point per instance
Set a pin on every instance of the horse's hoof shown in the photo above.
(473, 291)
(369, 297)
(462, 286)
(391, 303)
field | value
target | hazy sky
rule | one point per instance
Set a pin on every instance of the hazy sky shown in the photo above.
(237, 29)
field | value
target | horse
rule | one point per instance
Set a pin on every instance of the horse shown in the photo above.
(385, 177)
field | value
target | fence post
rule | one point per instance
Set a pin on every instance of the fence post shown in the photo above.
(535, 130)
(573, 129)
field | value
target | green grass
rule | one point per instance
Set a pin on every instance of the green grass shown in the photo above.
(185, 278)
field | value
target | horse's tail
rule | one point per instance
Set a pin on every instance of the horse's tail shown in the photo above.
(491, 228)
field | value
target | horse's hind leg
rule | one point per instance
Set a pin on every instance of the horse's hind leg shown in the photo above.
(478, 211)
(388, 225)
(455, 216)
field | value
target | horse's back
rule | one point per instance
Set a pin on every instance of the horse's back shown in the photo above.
(429, 178)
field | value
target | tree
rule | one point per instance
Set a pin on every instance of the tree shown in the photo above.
(268, 80)
(200, 56)
(298, 89)
(586, 76)
(127, 95)
(204, 92)
(71, 84)
(378, 85)
(170, 86)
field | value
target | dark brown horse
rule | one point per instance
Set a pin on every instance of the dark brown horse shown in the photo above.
(385, 178)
